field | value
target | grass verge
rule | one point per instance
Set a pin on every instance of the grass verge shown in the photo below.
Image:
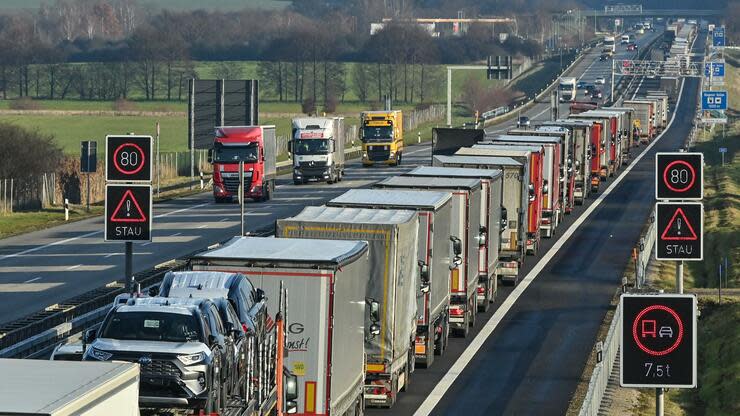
(24, 222)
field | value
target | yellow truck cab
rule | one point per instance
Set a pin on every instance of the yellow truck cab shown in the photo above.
(382, 137)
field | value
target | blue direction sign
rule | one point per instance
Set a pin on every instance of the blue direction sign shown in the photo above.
(717, 69)
(718, 36)
(714, 100)
(723, 150)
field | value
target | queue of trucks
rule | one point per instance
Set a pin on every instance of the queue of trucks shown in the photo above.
(339, 309)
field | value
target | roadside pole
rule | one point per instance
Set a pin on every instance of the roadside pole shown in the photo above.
(129, 267)
(159, 163)
(241, 195)
(449, 97)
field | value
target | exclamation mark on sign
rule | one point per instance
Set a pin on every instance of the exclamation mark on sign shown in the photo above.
(128, 209)
(678, 225)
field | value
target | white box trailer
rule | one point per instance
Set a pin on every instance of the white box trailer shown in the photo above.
(515, 207)
(580, 131)
(327, 321)
(627, 131)
(644, 118)
(433, 295)
(567, 154)
(490, 220)
(466, 203)
(317, 145)
(391, 279)
(661, 114)
(617, 121)
(603, 161)
(554, 172)
(69, 388)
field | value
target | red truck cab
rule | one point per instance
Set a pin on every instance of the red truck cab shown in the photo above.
(256, 146)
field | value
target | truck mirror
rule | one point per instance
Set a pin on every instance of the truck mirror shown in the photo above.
(210, 155)
(374, 331)
(456, 245)
(374, 309)
(331, 146)
(291, 407)
(291, 387)
(423, 272)
(154, 291)
(482, 234)
(259, 295)
(290, 146)
(530, 188)
(504, 219)
(456, 261)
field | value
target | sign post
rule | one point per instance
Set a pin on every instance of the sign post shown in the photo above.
(722, 151)
(88, 163)
(128, 194)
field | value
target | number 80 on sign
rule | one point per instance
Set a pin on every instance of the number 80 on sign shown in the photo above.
(679, 176)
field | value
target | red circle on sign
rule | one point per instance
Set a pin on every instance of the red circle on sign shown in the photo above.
(685, 188)
(124, 171)
(678, 338)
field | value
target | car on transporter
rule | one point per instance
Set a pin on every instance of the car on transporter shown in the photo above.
(181, 344)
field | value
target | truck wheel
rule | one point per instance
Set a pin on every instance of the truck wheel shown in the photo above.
(429, 359)
(406, 376)
(487, 299)
(399, 160)
(473, 308)
(340, 176)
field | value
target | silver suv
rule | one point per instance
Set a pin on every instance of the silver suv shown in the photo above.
(179, 343)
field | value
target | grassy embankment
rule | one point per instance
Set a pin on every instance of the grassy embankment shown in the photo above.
(718, 391)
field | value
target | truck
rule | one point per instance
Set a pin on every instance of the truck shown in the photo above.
(661, 113)
(381, 133)
(609, 46)
(644, 118)
(599, 148)
(433, 294)
(580, 131)
(317, 145)
(390, 278)
(256, 146)
(533, 161)
(61, 388)
(564, 141)
(490, 220)
(466, 233)
(515, 207)
(329, 315)
(612, 119)
(567, 89)
(551, 197)
(625, 39)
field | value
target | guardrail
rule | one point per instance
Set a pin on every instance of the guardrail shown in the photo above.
(602, 370)
(644, 251)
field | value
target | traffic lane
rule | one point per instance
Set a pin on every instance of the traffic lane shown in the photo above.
(533, 361)
(77, 262)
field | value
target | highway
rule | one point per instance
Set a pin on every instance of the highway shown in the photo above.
(530, 364)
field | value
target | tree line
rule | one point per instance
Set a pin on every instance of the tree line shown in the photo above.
(110, 49)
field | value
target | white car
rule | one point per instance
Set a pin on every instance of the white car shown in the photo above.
(600, 80)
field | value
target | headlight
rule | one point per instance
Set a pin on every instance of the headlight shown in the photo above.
(191, 359)
(364, 154)
(296, 171)
(99, 354)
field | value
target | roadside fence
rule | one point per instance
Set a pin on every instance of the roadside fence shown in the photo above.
(606, 356)
(644, 252)
(19, 194)
(413, 119)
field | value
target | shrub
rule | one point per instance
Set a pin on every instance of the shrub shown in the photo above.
(122, 104)
(308, 106)
(33, 152)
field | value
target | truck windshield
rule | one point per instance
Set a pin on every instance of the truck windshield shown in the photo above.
(152, 326)
(225, 154)
(311, 146)
(377, 133)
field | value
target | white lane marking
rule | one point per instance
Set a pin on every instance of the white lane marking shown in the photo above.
(175, 234)
(444, 384)
(147, 243)
(225, 219)
(203, 226)
(111, 255)
(69, 240)
(423, 149)
(588, 68)
(33, 280)
(73, 267)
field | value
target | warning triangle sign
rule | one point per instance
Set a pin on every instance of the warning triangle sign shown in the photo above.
(128, 210)
(679, 228)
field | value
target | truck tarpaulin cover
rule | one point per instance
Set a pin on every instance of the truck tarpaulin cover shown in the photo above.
(446, 141)
(392, 276)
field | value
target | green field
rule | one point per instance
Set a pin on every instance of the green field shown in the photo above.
(171, 4)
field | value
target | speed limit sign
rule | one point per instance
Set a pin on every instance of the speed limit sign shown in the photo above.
(128, 158)
(679, 176)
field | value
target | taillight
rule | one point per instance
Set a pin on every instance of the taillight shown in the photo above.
(481, 290)
(245, 328)
(456, 311)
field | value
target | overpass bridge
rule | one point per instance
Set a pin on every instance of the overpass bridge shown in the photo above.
(640, 12)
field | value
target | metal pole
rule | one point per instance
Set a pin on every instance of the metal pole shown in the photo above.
(611, 95)
(449, 97)
(659, 402)
(241, 195)
(129, 267)
(192, 131)
(159, 163)
(719, 287)
(679, 277)
(88, 189)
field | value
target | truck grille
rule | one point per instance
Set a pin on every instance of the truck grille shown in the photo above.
(232, 184)
(378, 153)
(312, 168)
